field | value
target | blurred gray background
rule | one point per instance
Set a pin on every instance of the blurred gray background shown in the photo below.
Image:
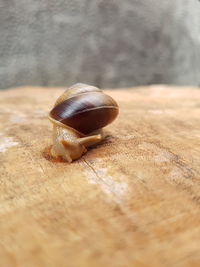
(108, 43)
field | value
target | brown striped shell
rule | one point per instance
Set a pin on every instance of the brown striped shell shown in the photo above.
(84, 108)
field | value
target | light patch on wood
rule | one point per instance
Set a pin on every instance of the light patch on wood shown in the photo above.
(108, 185)
(18, 117)
(156, 111)
(148, 146)
(127, 137)
(175, 173)
(40, 113)
(161, 154)
(164, 156)
(6, 142)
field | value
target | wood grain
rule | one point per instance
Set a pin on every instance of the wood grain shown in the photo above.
(133, 200)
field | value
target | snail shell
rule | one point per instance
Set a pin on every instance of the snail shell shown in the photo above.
(78, 116)
(85, 109)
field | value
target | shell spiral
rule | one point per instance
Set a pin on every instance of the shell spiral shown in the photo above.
(84, 108)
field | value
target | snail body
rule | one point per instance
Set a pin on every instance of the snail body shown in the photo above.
(78, 117)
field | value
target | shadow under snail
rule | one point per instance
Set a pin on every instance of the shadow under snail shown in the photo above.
(78, 117)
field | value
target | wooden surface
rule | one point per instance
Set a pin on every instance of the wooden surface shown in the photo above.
(134, 200)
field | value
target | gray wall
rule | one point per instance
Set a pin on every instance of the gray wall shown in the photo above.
(109, 43)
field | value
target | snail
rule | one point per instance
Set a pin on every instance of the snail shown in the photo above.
(78, 117)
